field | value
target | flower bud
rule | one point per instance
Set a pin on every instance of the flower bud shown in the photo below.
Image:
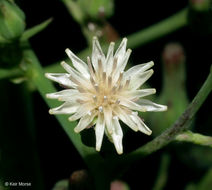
(79, 180)
(12, 21)
(97, 8)
(200, 5)
(119, 185)
(174, 91)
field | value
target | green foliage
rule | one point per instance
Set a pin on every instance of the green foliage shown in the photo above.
(12, 21)
(35, 30)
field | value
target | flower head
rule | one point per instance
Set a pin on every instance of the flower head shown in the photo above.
(102, 93)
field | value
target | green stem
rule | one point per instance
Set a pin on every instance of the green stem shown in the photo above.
(93, 160)
(17, 136)
(75, 10)
(162, 173)
(142, 37)
(206, 182)
(31, 131)
(8, 73)
(182, 124)
(159, 29)
(195, 138)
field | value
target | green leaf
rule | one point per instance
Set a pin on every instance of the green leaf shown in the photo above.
(35, 30)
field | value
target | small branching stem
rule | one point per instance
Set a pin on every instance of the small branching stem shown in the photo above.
(195, 138)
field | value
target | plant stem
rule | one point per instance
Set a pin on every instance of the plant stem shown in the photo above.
(7, 73)
(162, 173)
(195, 138)
(159, 29)
(182, 124)
(31, 131)
(205, 182)
(17, 136)
(142, 37)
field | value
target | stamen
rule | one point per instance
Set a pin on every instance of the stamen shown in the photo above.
(127, 83)
(120, 77)
(90, 67)
(120, 87)
(100, 109)
(80, 89)
(74, 80)
(104, 77)
(96, 86)
(92, 81)
(100, 66)
(117, 101)
(105, 99)
(95, 98)
(109, 81)
(114, 88)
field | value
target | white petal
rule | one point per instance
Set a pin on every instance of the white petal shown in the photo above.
(97, 53)
(131, 105)
(66, 108)
(120, 53)
(81, 111)
(141, 125)
(108, 117)
(109, 58)
(138, 80)
(84, 122)
(136, 70)
(151, 106)
(56, 95)
(121, 113)
(80, 65)
(117, 135)
(139, 93)
(76, 96)
(76, 76)
(62, 78)
(121, 66)
(99, 131)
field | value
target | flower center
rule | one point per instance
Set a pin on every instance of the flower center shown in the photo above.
(107, 91)
(106, 87)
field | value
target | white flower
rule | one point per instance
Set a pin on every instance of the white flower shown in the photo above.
(101, 92)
